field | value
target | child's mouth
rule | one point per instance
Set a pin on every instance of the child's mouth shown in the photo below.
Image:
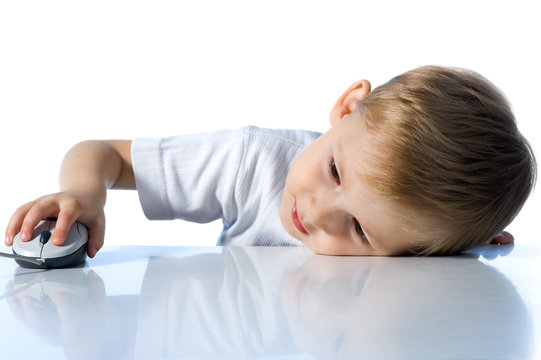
(296, 220)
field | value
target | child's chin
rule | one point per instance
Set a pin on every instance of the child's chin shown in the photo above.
(293, 232)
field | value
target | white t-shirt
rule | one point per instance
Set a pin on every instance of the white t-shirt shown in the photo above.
(234, 175)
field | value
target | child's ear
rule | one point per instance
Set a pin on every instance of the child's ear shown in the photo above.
(348, 101)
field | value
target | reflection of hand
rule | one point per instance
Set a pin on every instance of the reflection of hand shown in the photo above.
(27, 310)
(75, 313)
(37, 298)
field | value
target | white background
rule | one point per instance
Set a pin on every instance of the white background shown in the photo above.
(73, 70)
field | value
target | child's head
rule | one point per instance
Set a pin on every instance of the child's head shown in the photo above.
(430, 162)
(451, 153)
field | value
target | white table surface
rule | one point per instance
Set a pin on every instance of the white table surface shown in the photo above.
(274, 303)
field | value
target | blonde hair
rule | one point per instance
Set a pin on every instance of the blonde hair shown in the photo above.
(452, 155)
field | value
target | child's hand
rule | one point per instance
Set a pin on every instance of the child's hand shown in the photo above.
(67, 207)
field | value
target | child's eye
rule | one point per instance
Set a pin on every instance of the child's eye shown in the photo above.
(334, 171)
(359, 230)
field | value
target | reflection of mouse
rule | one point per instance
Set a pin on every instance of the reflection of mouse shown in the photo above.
(42, 286)
(71, 253)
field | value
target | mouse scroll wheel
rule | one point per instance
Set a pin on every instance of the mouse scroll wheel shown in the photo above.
(45, 236)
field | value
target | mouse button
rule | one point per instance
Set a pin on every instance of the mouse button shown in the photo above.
(31, 248)
(51, 251)
(73, 242)
(77, 235)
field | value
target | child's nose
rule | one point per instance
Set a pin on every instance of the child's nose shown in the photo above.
(324, 214)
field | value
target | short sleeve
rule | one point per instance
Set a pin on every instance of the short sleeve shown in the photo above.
(190, 177)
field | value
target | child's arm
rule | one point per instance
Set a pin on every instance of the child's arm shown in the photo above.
(88, 170)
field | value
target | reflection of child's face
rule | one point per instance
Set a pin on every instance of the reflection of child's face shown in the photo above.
(326, 205)
(389, 308)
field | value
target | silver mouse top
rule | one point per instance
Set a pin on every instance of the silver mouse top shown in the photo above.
(40, 247)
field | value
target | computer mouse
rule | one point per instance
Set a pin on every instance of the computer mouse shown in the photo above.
(71, 253)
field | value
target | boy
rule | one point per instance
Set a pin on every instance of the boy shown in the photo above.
(429, 163)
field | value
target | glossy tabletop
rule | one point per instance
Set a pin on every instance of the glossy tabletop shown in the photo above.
(274, 303)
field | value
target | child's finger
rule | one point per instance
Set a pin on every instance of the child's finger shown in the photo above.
(96, 235)
(503, 238)
(15, 222)
(39, 211)
(64, 221)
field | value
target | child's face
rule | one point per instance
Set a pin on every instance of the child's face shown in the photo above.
(326, 205)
